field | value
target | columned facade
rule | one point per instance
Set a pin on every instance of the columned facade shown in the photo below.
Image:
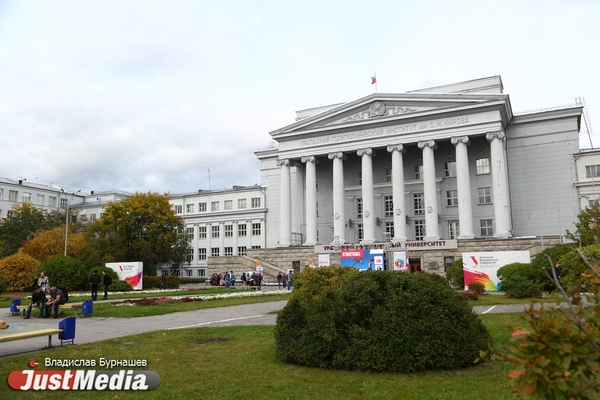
(286, 204)
(339, 215)
(430, 191)
(311, 200)
(399, 201)
(463, 184)
(499, 184)
(368, 198)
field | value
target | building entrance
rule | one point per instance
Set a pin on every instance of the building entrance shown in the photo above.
(414, 265)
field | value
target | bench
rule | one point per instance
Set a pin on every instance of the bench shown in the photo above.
(65, 331)
(74, 306)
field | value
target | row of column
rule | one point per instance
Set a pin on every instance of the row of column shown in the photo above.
(465, 215)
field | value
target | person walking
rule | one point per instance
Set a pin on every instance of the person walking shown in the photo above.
(57, 297)
(94, 282)
(38, 298)
(106, 282)
(43, 282)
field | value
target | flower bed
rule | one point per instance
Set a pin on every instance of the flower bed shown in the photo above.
(149, 301)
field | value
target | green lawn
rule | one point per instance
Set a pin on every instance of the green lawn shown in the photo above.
(240, 363)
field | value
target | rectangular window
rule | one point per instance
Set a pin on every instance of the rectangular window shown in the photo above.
(201, 254)
(215, 231)
(592, 171)
(419, 230)
(178, 208)
(201, 207)
(256, 229)
(26, 197)
(63, 203)
(418, 172)
(242, 230)
(388, 174)
(389, 230)
(228, 251)
(228, 230)
(93, 217)
(228, 205)
(215, 252)
(189, 273)
(255, 202)
(189, 255)
(453, 229)
(241, 203)
(190, 232)
(419, 203)
(388, 203)
(12, 195)
(483, 166)
(452, 198)
(359, 208)
(214, 206)
(201, 273)
(202, 232)
(39, 200)
(255, 247)
(189, 208)
(9, 213)
(52, 201)
(450, 169)
(242, 251)
(485, 195)
(486, 227)
(361, 232)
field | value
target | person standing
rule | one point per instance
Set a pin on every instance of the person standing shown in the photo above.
(279, 280)
(106, 282)
(163, 281)
(289, 280)
(43, 282)
(232, 278)
(38, 298)
(57, 297)
(94, 282)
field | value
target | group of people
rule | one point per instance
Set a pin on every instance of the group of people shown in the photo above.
(252, 279)
(39, 299)
(285, 280)
(228, 279)
(95, 282)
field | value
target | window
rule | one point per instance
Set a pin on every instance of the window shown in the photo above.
(189, 273)
(190, 232)
(450, 169)
(453, 229)
(242, 251)
(418, 172)
(255, 247)
(256, 229)
(189, 255)
(360, 178)
(388, 174)
(189, 208)
(52, 201)
(228, 230)
(593, 203)
(63, 203)
(228, 205)
(483, 166)
(241, 203)
(228, 251)
(485, 195)
(215, 231)
(389, 229)
(419, 230)
(242, 230)
(359, 208)
(215, 252)
(178, 208)
(201, 207)
(201, 273)
(39, 199)
(388, 204)
(486, 227)
(201, 254)
(361, 232)
(202, 232)
(9, 213)
(452, 198)
(92, 216)
(419, 203)
(255, 202)
(26, 197)
(12, 195)
(592, 171)
(214, 206)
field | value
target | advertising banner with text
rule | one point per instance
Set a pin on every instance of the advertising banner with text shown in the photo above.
(483, 267)
(130, 272)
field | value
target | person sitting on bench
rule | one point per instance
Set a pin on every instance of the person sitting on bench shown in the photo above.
(57, 298)
(38, 298)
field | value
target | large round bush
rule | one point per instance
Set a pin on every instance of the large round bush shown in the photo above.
(342, 318)
(20, 270)
(66, 272)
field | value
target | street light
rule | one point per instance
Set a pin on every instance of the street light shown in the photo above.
(67, 220)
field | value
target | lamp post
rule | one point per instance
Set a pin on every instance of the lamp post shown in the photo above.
(67, 220)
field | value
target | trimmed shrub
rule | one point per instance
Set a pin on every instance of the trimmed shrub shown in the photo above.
(521, 288)
(573, 269)
(120, 286)
(455, 274)
(520, 280)
(4, 284)
(540, 262)
(20, 270)
(477, 287)
(65, 272)
(342, 318)
(153, 282)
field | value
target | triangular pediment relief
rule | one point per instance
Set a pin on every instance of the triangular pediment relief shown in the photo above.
(379, 109)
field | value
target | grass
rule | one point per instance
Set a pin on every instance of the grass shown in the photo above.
(240, 363)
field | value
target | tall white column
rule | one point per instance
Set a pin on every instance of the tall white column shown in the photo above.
(221, 239)
(500, 184)
(368, 197)
(463, 186)
(235, 238)
(398, 192)
(339, 216)
(429, 190)
(311, 200)
(285, 225)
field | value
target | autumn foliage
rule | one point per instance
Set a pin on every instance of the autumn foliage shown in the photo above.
(21, 271)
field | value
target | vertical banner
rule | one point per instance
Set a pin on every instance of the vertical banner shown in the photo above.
(311, 262)
(258, 264)
(130, 272)
(323, 260)
(400, 261)
(483, 267)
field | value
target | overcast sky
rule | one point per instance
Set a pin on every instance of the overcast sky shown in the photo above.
(148, 95)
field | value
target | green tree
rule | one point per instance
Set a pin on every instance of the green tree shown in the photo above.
(65, 272)
(20, 270)
(23, 222)
(143, 228)
(587, 227)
